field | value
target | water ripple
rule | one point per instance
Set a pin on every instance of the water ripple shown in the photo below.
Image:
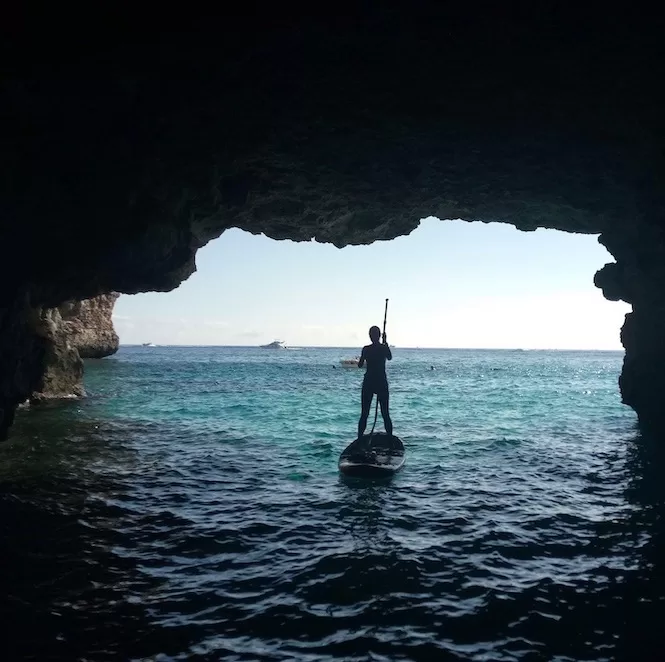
(526, 524)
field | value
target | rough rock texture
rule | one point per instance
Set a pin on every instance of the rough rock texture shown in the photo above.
(346, 127)
(62, 373)
(38, 361)
(41, 349)
(89, 327)
(73, 331)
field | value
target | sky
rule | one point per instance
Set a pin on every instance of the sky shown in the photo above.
(450, 284)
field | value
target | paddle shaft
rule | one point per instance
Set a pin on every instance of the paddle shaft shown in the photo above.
(385, 317)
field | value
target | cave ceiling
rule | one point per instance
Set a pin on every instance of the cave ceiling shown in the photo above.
(130, 141)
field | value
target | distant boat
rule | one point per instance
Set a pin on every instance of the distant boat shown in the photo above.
(349, 363)
(275, 344)
(148, 344)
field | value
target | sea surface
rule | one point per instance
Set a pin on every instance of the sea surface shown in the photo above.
(191, 509)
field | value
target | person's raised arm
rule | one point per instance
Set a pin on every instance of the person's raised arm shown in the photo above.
(361, 362)
(389, 354)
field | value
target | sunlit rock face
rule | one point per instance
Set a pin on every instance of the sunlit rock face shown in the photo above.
(68, 333)
(128, 146)
(89, 327)
(73, 331)
(62, 372)
(41, 349)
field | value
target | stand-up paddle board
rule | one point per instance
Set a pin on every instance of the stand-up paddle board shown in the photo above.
(372, 456)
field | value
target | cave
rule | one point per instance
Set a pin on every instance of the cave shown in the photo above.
(129, 144)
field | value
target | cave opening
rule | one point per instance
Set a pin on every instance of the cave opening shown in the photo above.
(452, 284)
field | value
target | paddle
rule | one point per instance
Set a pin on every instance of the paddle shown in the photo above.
(376, 407)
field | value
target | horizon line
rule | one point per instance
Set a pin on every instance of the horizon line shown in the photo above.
(488, 349)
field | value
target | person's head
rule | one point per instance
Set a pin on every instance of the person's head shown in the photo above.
(374, 333)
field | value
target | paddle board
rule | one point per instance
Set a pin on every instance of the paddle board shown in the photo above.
(382, 455)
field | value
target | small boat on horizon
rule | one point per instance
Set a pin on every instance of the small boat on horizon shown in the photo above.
(148, 344)
(275, 344)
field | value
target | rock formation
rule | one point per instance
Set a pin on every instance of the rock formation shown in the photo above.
(62, 373)
(73, 331)
(638, 277)
(346, 127)
(89, 327)
(22, 353)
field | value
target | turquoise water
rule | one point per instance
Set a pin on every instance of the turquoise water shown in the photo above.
(191, 508)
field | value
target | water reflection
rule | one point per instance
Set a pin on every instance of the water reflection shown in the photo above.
(363, 510)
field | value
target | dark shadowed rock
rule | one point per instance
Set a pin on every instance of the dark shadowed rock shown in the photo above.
(22, 353)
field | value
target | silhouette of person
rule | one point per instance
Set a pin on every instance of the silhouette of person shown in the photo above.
(375, 380)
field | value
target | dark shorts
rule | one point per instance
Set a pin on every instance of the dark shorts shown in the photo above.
(378, 386)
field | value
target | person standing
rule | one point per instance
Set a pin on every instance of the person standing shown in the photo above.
(375, 380)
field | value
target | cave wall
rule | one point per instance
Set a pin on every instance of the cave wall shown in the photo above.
(22, 352)
(127, 145)
(638, 277)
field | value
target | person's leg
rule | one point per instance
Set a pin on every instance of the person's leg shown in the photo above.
(366, 400)
(384, 401)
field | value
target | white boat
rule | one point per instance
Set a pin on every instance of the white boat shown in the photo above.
(275, 344)
(350, 363)
(148, 344)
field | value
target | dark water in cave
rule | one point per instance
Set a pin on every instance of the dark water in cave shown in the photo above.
(191, 508)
